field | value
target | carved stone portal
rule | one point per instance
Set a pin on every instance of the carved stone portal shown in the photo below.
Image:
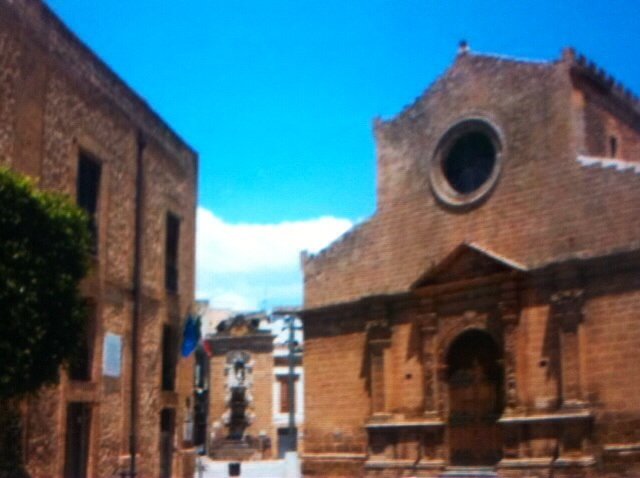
(238, 398)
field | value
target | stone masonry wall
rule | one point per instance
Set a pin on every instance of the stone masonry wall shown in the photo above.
(546, 207)
(58, 99)
(543, 196)
(336, 386)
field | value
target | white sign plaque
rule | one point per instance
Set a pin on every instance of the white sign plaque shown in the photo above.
(112, 356)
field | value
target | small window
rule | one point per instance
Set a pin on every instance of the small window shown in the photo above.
(80, 368)
(613, 146)
(87, 192)
(171, 253)
(285, 393)
(169, 352)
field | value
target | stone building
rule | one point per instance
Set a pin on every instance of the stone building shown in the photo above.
(485, 318)
(249, 389)
(240, 381)
(74, 126)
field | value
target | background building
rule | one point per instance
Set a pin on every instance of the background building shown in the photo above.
(484, 320)
(70, 123)
(284, 385)
(249, 386)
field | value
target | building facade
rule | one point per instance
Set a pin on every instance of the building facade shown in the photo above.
(75, 127)
(240, 381)
(484, 319)
(288, 379)
(251, 387)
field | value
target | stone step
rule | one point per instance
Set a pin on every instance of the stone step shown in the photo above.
(468, 472)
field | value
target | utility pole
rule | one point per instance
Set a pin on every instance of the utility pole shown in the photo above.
(291, 384)
(290, 315)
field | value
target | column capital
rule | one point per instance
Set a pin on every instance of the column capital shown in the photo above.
(567, 307)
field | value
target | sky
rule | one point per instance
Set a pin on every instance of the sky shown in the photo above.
(278, 97)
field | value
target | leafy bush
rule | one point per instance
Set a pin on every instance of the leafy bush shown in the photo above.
(44, 253)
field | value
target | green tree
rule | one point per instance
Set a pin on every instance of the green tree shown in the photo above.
(44, 254)
(44, 250)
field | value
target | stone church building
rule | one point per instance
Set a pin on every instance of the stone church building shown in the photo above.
(485, 320)
(73, 126)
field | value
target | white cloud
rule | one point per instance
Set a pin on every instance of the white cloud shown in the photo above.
(247, 266)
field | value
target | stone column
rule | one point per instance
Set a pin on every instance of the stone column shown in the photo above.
(378, 339)
(428, 323)
(510, 316)
(567, 310)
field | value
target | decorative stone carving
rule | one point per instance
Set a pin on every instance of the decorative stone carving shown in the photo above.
(510, 315)
(428, 323)
(567, 309)
(378, 339)
(238, 397)
(567, 306)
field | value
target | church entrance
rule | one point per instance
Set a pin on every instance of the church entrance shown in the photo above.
(475, 380)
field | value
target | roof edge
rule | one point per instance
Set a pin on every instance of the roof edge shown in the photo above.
(51, 21)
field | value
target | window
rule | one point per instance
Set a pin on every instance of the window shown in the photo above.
(469, 162)
(613, 146)
(169, 352)
(87, 193)
(80, 368)
(285, 392)
(171, 253)
(466, 163)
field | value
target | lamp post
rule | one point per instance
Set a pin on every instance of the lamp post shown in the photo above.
(291, 383)
(289, 316)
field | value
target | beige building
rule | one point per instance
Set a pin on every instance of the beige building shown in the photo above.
(73, 125)
(484, 321)
(249, 388)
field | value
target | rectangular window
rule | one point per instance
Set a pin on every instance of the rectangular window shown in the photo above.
(171, 253)
(87, 192)
(169, 352)
(77, 439)
(285, 393)
(80, 368)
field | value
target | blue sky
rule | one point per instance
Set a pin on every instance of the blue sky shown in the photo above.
(278, 98)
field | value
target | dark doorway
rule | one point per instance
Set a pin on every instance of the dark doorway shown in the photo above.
(475, 380)
(167, 427)
(287, 441)
(77, 440)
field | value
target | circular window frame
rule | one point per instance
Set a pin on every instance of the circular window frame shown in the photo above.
(440, 185)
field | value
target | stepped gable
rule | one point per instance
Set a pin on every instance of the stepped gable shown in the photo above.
(581, 65)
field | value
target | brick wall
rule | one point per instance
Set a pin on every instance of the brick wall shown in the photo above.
(612, 331)
(336, 387)
(543, 196)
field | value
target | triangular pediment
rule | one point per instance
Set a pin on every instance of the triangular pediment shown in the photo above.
(466, 262)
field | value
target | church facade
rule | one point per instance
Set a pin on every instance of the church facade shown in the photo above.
(485, 319)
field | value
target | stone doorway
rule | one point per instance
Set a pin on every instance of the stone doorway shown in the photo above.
(475, 384)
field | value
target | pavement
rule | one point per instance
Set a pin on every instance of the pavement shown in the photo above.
(248, 469)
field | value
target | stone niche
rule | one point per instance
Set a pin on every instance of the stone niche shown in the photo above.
(241, 366)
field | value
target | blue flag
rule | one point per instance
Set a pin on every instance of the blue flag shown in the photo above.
(191, 335)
